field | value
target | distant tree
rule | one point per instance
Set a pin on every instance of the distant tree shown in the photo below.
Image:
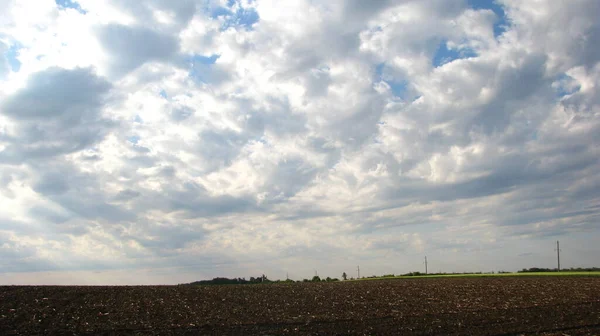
(344, 276)
(328, 279)
(316, 278)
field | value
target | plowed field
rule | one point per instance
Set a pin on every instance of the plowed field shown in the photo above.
(454, 306)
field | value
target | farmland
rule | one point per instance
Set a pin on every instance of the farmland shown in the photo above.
(487, 275)
(438, 306)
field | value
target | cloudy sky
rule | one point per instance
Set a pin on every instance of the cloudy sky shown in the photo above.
(166, 141)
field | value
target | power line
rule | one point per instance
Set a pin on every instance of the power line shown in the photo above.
(558, 254)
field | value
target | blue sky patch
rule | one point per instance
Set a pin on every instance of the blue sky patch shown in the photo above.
(501, 23)
(64, 4)
(200, 66)
(200, 59)
(534, 135)
(220, 11)
(243, 17)
(397, 86)
(134, 139)
(163, 94)
(232, 15)
(445, 55)
(12, 55)
(565, 85)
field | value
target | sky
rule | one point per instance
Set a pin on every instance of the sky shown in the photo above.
(163, 142)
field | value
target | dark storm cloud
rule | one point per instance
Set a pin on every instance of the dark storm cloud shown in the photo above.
(15, 257)
(164, 238)
(508, 173)
(68, 95)
(78, 194)
(52, 184)
(131, 46)
(180, 114)
(126, 195)
(514, 87)
(192, 200)
(183, 10)
(590, 52)
(576, 27)
(58, 112)
(220, 147)
(92, 206)
(275, 119)
(288, 178)
(366, 9)
(49, 215)
(198, 205)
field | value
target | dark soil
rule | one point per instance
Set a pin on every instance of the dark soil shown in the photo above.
(460, 306)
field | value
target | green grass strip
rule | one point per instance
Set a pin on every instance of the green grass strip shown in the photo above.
(488, 275)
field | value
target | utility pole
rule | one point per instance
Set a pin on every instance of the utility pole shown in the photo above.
(425, 264)
(558, 254)
(358, 271)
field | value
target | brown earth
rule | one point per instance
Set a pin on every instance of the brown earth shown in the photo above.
(451, 306)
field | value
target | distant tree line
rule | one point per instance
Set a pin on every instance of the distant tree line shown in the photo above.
(264, 279)
(578, 269)
(316, 278)
(255, 280)
(233, 281)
